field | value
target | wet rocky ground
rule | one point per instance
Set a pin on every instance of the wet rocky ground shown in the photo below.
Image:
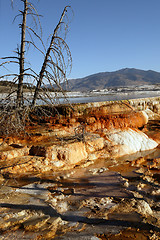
(114, 198)
(107, 199)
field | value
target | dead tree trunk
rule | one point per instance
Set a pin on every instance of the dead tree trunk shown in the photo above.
(42, 72)
(21, 58)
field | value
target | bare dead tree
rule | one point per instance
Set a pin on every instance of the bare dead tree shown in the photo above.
(21, 57)
(54, 70)
(18, 78)
(13, 111)
(57, 60)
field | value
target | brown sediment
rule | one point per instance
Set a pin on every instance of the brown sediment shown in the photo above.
(131, 234)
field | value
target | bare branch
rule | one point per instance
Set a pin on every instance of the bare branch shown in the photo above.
(19, 15)
(36, 14)
(8, 63)
(30, 69)
(35, 34)
(10, 58)
(9, 75)
(30, 42)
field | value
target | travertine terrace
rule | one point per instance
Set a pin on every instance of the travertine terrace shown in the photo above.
(90, 170)
(81, 132)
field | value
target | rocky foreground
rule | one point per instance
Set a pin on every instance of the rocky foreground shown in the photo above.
(88, 172)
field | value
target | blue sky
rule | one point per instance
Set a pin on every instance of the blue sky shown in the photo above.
(105, 35)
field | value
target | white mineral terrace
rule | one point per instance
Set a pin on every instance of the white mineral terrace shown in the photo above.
(110, 94)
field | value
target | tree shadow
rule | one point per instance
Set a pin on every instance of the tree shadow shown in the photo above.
(98, 186)
(94, 186)
(50, 211)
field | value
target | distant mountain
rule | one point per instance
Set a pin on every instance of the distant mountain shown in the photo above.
(121, 78)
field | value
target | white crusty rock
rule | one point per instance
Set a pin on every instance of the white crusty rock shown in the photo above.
(130, 140)
(152, 115)
(144, 208)
(145, 117)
